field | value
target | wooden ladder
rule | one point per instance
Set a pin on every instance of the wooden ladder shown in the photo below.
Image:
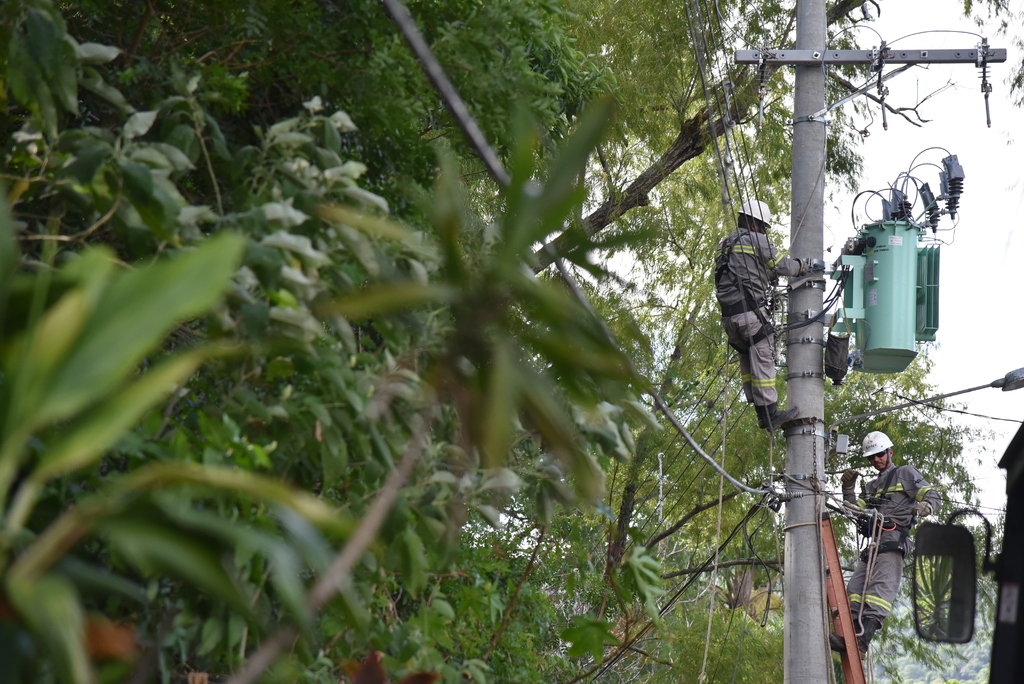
(839, 605)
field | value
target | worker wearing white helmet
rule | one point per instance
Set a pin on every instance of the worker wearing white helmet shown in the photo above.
(746, 268)
(896, 498)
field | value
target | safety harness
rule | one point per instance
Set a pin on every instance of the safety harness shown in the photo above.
(887, 524)
(743, 306)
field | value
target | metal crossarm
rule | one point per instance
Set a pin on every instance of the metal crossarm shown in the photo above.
(889, 56)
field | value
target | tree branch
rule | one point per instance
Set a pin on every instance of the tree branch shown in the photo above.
(686, 518)
(899, 111)
(694, 135)
(689, 144)
(727, 564)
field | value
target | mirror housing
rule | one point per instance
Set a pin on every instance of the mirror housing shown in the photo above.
(945, 569)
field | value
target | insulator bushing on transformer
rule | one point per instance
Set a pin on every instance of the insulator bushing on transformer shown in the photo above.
(952, 180)
(931, 207)
(904, 210)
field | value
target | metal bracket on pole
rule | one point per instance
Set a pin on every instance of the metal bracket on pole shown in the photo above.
(860, 91)
(820, 118)
(799, 317)
(806, 340)
(802, 430)
(805, 374)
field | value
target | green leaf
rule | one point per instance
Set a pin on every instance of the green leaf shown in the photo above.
(93, 434)
(94, 83)
(159, 211)
(413, 561)
(138, 124)
(26, 80)
(371, 225)
(210, 636)
(87, 162)
(50, 607)
(156, 549)
(644, 574)
(285, 566)
(334, 456)
(551, 421)
(44, 41)
(477, 669)
(441, 606)
(89, 578)
(164, 475)
(332, 140)
(137, 311)
(588, 635)
(96, 53)
(387, 298)
(65, 82)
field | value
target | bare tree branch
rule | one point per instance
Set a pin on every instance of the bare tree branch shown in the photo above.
(899, 111)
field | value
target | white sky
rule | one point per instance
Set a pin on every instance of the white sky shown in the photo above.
(981, 327)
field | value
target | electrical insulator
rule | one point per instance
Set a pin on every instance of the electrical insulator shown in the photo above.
(952, 180)
(931, 207)
(897, 207)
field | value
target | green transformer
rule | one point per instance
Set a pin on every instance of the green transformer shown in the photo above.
(891, 294)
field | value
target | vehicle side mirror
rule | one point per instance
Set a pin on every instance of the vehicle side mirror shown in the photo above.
(944, 583)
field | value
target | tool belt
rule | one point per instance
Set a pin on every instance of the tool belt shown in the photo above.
(864, 526)
(893, 546)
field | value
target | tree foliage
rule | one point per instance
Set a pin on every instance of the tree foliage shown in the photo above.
(276, 371)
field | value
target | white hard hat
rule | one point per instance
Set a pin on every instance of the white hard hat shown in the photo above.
(757, 209)
(875, 442)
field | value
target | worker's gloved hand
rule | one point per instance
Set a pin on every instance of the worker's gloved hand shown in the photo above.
(804, 266)
(849, 479)
(922, 508)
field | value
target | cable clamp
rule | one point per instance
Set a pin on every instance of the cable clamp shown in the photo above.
(805, 340)
(806, 374)
(805, 430)
(983, 53)
(799, 317)
(807, 119)
(815, 280)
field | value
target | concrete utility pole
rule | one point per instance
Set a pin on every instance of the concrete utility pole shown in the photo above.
(806, 658)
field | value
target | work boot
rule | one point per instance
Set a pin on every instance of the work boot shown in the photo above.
(770, 415)
(871, 626)
(838, 644)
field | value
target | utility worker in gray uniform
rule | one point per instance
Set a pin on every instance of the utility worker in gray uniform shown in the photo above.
(746, 267)
(897, 497)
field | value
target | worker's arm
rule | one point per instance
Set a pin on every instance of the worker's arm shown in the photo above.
(777, 262)
(926, 496)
